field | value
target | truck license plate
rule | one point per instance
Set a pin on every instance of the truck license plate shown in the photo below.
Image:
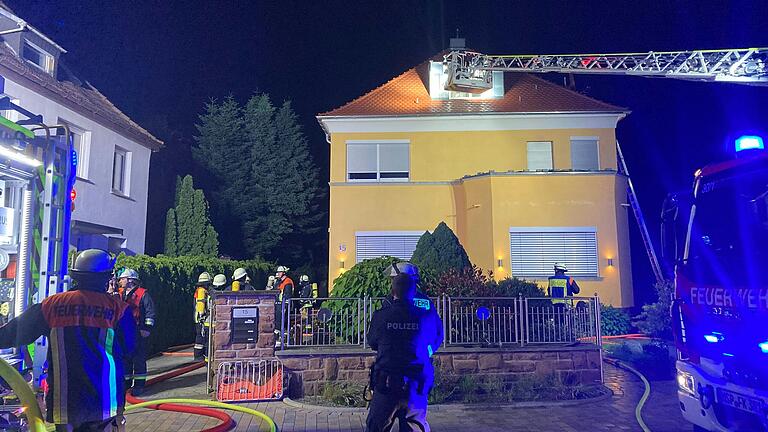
(744, 403)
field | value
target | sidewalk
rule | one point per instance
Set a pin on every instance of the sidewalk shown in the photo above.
(615, 414)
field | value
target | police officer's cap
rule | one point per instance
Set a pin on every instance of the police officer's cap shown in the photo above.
(92, 261)
(403, 268)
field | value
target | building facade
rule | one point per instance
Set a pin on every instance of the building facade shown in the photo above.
(525, 174)
(113, 152)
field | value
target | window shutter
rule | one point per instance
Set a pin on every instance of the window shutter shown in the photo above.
(535, 252)
(539, 155)
(362, 161)
(383, 244)
(394, 160)
(584, 156)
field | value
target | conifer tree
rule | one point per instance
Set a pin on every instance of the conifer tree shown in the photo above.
(188, 226)
(439, 252)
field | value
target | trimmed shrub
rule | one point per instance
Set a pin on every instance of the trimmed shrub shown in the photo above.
(438, 252)
(366, 278)
(613, 321)
(468, 282)
(656, 318)
(171, 282)
(513, 287)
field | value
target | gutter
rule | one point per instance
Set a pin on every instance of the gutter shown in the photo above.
(23, 25)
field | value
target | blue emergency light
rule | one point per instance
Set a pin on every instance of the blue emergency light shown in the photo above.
(749, 142)
(714, 337)
(763, 347)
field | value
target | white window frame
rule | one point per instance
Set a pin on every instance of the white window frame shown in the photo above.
(585, 138)
(126, 186)
(378, 144)
(84, 155)
(528, 152)
(50, 60)
(546, 267)
(11, 114)
(359, 234)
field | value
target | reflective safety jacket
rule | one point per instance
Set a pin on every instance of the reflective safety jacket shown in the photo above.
(90, 334)
(561, 286)
(405, 334)
(142, 307)
(286, 289)
(202, 306)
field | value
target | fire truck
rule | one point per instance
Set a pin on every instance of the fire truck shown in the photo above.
(720, 309)
(715, 237)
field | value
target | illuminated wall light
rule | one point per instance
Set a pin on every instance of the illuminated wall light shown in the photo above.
(341, 264)
(500, 263)
(610, 262)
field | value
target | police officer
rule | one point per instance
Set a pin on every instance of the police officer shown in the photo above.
(143, 310)
(404, 333)
(84, 323)
(202, 309)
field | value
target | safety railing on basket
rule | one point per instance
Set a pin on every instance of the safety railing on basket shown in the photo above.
(467, 321)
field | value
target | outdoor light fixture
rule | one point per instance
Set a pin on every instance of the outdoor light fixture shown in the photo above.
(749, 142)
(341, 264)
(500, 263)
(18, 157)
(610, 262)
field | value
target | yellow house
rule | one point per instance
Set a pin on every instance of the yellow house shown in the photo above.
(525, 174)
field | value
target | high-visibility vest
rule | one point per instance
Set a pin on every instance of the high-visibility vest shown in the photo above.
(560, 288)
(201, 305)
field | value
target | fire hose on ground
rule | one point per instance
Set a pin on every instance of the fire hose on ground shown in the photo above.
(182, 404)
(37, 423)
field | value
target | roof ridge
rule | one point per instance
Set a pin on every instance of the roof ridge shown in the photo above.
(559, 87)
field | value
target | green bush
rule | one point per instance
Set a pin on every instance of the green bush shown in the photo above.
(468, 282)
(171, 282)
(438, 252)
(366, 278)
(656, 318)
(344, 394)
(513, 287)
(613, 321)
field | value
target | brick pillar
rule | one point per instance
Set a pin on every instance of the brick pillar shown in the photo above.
(223, 347)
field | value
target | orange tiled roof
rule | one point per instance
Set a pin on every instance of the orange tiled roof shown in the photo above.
(408, 94)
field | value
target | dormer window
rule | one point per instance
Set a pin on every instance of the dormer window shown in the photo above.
(438, 76)
(38, 57)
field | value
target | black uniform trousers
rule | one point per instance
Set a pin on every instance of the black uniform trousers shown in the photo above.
(136, 366)
(201, 341)
(398, 398)
(108, 425)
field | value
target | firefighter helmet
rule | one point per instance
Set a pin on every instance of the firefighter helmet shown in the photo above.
(129, 273)
(304, 278)
(561, 267)
(282, 269)
(403, 268)
(239, 273)
(219, 280)
(204, 278)
(92, 261)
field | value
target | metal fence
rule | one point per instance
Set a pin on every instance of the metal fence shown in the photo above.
(467, 321)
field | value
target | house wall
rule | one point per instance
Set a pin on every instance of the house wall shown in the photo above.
(96, 202)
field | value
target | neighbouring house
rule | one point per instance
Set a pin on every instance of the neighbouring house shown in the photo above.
(113, 151)
(525, 174)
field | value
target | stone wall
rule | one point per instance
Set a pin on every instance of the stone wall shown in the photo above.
(223, 347)
(310, 369)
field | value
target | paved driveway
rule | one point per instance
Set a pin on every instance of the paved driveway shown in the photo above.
(614, 414)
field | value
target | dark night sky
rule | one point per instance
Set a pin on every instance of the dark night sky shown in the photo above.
(160, 61)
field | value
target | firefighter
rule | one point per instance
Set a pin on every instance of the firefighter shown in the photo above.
(561, 286)
(82, 323)
(143, 310)
(219, 282)
(240, 281)
(202, 310)
(285, 288)
(404, 335)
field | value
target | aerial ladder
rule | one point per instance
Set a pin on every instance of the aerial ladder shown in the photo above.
(472, 72)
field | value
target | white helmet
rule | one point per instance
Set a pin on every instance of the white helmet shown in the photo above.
(219, 280)
(204, 277)
(129, 273)
(304, 278)
(282, 269)
(561, 267)
(271, 278)
(403, 268)
(239, 273)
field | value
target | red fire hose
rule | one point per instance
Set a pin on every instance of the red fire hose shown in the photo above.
(226, 421)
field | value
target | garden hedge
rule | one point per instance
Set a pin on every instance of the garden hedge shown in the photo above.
(171, 282)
